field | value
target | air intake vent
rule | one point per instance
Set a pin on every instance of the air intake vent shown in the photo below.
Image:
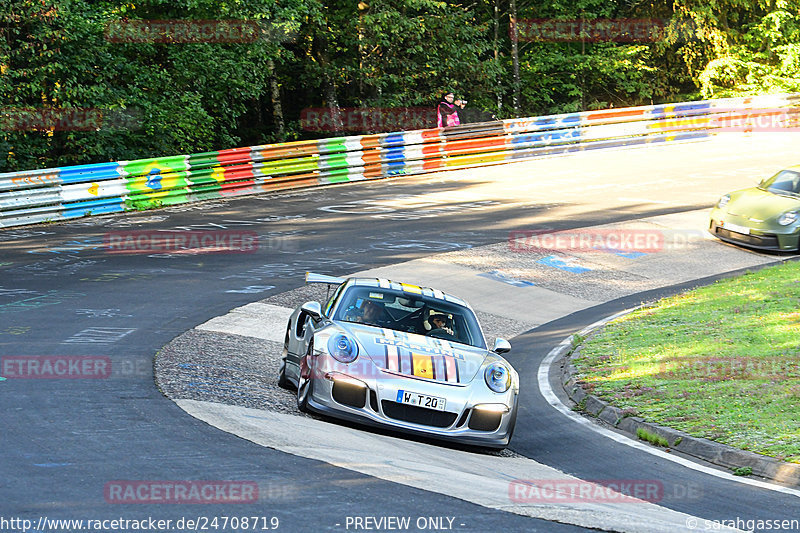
(484, 420)
(349, 394)
(418, 415)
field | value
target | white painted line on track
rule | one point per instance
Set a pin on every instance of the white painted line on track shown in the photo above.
(552, 399)
(485, 480)
(257, 319)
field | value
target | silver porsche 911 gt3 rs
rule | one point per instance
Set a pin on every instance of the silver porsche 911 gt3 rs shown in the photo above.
(398, 355)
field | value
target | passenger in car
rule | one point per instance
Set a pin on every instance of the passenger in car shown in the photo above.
(439, 321)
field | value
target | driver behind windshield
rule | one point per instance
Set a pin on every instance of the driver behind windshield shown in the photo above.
(439, 321)
(370, 312)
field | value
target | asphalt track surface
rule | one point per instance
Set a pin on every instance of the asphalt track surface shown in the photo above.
(63, 294)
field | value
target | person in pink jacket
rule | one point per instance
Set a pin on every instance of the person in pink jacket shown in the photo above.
(447, 112)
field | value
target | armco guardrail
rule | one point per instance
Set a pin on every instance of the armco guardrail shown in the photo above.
(70, 192)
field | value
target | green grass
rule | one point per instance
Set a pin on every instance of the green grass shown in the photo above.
(720, 362)
(576, 340)
(652, 438)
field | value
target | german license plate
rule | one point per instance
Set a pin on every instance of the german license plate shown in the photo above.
(738, 229)
(421, 400)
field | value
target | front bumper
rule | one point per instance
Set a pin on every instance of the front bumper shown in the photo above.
(373, 403)
(760, 238)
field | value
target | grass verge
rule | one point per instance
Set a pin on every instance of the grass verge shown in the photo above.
(652, 438)
(720, 362)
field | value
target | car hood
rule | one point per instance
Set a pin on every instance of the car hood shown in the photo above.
(760, 205)
(417, 355)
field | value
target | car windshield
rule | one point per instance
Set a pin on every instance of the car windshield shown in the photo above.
(410, 313)
(784, 182)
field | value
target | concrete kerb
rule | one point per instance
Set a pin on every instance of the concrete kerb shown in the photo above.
(700, 448)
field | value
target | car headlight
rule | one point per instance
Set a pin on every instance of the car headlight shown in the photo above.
(343, 348)
(723, 201)
(787, 218)
(498, 377)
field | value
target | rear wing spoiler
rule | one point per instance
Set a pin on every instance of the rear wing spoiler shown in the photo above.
(311, 277)
(322, 278)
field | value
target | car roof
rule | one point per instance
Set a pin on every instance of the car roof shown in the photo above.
(409, 288)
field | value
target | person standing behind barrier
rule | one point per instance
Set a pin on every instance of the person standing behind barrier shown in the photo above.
(447, 112)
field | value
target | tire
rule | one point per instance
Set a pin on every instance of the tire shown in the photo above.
(305, 384)
(282, 381)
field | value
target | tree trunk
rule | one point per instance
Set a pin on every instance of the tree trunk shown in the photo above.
(333, 105)
(329, 87)
(515, 56)
(496, 45)
(277, 108)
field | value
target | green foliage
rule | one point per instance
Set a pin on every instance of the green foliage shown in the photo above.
(580, 406)
(747, 47)
(652, 438)
(181, 97)
(557, 78)
(577, 340)
(184, 97)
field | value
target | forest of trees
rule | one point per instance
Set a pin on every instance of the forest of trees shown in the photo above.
(175, 94)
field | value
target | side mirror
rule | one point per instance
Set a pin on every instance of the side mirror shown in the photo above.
(313, 309)
(501, 346)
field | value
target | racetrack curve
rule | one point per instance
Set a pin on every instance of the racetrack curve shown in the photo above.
(63, 295)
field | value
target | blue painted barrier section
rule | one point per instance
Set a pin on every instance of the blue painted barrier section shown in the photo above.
(93, 207)
(89, 173)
